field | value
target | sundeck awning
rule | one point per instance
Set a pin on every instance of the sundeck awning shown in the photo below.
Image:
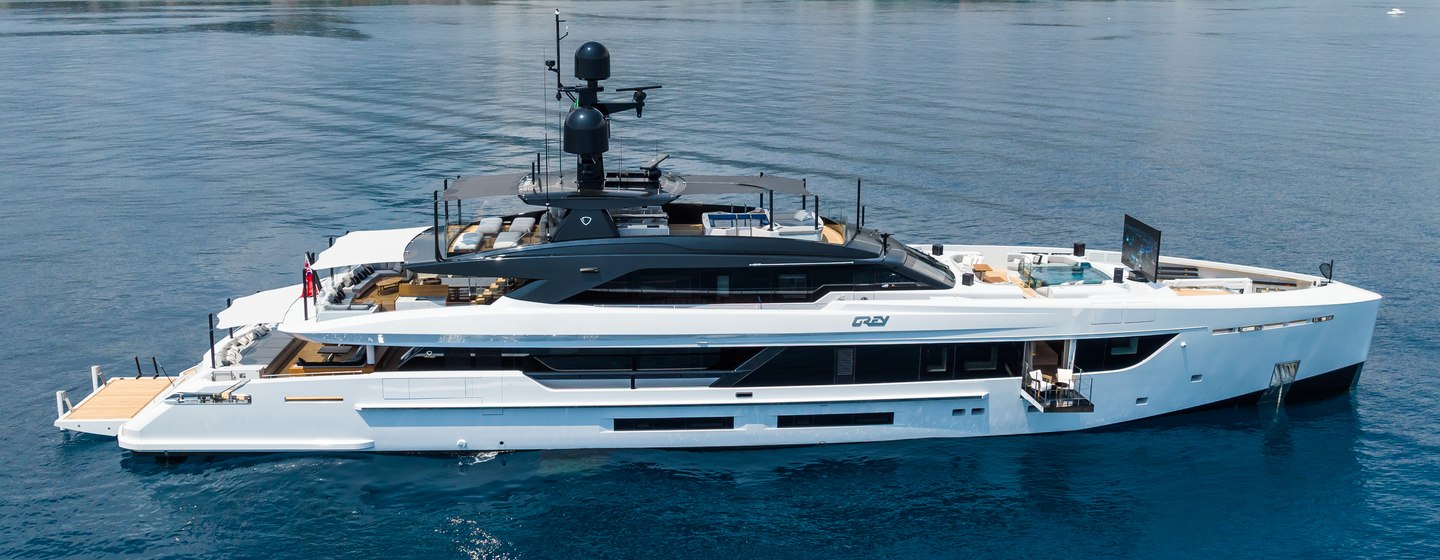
(269, 306)
(483, 186)
(730, 184)
(367, 247)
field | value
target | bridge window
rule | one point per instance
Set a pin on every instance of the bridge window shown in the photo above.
(742, 285)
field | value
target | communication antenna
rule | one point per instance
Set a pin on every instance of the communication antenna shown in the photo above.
(544, 115)
(554, 66)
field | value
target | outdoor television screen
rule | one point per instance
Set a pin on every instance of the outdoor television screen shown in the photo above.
(1141, 249)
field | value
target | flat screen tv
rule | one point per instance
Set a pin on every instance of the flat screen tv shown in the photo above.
(1140, 250)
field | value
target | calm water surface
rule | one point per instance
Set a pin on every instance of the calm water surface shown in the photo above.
(159, 157)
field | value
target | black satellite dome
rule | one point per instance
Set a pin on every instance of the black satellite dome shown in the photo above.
(592, 62)
(587, 131)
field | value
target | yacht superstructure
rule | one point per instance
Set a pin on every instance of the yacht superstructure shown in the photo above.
(615, 314)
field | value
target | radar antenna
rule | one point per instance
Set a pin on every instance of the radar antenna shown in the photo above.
(586, 130)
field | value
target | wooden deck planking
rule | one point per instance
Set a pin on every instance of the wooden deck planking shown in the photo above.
(1200, 292)
(120, 398)
(687, 229)
(385, 301)
(454, 232)
(1024, 287)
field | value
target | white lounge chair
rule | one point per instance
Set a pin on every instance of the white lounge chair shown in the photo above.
(508, 239)
(522, 225)
(490, 226)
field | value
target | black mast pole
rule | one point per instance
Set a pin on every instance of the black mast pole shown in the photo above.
(857, 201)
(560, 161)
(772, 210)
(435, 220)
(211, 318)
(304, 287)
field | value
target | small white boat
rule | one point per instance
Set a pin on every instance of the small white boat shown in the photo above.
(1395, 12)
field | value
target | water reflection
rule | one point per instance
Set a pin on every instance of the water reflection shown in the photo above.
(1096, 494)
(280, 22)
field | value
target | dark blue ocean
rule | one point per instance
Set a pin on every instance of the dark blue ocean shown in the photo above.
(157, 157)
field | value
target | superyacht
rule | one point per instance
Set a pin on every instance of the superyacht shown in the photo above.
(613, 314)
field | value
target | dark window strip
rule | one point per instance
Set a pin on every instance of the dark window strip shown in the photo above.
(701, 423)
(829, 420)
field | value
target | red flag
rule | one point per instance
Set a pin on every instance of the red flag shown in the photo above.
(309, 281)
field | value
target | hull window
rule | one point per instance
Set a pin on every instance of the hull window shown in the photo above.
(649, 424)
(831, 420)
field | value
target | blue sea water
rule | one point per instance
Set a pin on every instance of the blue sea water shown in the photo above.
(157, 157)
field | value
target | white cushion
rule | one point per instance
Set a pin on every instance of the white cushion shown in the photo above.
(468, 241)
(490, 226)
(508, 239)
(522, 224)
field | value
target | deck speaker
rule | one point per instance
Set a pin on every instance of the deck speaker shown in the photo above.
(1120, 275)
(937, 250)
(1079, 249)
(967, 279)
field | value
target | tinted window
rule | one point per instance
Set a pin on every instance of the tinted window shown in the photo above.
(936, 362)
(824, 420)
(828, 365)
(565, 359)
(571, 360)
(803, 365)
(741, 285)
(637, 359)
(424, 359)
(707, 423)
(1108, 354)
(989, 360)
(887, 364)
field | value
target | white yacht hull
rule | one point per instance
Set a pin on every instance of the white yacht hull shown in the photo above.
(456, 411)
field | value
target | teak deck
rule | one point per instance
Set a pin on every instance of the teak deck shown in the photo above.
(120, 399)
